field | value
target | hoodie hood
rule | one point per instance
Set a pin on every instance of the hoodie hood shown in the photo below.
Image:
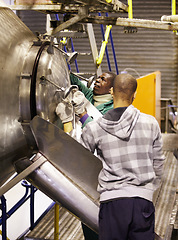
(124, 126)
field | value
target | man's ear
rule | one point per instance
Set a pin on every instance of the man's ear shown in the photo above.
(111, 91)
(135, 94)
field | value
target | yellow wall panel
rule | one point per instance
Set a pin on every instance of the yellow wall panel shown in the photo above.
(149, 94)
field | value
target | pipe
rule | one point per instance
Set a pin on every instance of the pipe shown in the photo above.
(59, 188)
(171, 18)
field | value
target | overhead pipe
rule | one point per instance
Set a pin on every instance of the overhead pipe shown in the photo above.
(173, 17)
(170, 18)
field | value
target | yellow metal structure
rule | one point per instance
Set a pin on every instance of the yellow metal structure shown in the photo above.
(174, 10)
(103, 46)
(149, 94)
(130, 12)
(56, 222)
(173, 7)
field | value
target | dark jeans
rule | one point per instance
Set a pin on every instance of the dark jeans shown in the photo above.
(127, 219)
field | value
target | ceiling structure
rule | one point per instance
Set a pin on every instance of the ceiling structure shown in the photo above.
(83, 11)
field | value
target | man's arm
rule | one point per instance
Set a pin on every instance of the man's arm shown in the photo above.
(86, 91)
(79, 102)
(87, 139)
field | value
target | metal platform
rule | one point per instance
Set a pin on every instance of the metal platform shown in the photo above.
(69, 226)
(165, 199)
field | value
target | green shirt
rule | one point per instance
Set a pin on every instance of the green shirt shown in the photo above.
(88, 92)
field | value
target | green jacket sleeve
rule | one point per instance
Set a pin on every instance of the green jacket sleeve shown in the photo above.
(86, 91)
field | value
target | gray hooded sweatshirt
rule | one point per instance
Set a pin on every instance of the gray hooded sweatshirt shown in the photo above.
(130, 148)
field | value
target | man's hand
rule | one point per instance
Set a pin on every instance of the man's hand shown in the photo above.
(78, 102)
(65, 110)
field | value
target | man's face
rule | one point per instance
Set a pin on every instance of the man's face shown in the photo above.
(102, 84)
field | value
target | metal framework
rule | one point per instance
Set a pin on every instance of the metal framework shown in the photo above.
(82, 11)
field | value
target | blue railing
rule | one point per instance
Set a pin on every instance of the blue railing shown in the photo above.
(29, 194)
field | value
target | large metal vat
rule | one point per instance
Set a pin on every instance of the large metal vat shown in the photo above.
(30, 69)
(23, 60)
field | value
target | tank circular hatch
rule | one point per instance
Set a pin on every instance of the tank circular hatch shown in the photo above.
(43, 82)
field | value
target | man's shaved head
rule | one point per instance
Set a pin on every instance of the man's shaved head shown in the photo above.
(124, 86)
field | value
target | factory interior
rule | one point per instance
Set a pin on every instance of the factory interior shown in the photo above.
(48, 180)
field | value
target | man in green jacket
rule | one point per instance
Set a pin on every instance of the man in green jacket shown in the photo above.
(99, 96)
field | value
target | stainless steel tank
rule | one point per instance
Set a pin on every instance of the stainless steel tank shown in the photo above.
(24, 59)
(33, 79)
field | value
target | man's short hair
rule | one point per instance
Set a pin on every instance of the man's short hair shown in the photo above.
(124, 85)
(111, 77)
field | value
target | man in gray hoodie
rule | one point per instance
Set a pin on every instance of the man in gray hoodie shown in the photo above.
(129, 144)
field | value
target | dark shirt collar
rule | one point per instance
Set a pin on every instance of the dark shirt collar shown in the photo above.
(114, 114)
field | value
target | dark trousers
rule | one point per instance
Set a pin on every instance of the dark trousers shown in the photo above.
(88, 233)
(127, 219)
